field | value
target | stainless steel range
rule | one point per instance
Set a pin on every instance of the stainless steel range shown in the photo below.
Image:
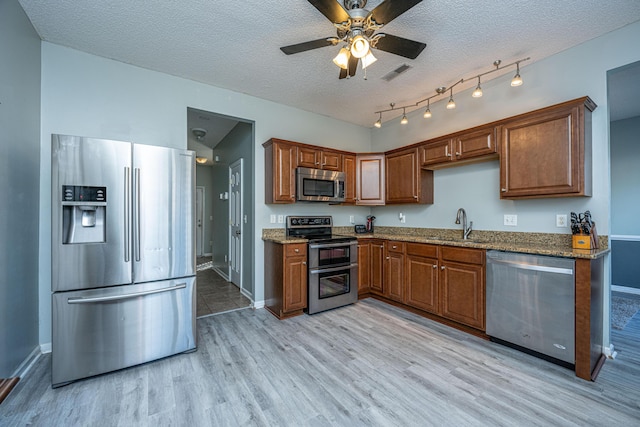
(332, 263)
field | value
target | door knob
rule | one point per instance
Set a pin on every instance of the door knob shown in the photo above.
(238, 232)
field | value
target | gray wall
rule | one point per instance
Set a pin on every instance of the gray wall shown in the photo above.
(19, 186)
(204, 178)
(237, 144)
(625, 202)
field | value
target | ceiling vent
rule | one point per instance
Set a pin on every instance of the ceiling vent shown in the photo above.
(395, 73)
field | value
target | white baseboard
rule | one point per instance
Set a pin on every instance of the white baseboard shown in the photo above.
(258, 304)
(27, 363)
(625, 289)
(224, 275)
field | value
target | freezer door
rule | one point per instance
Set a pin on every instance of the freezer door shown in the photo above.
(90, 243)
(164, 213)
(102, 330)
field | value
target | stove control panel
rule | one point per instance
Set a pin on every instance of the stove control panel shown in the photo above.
(309, 221)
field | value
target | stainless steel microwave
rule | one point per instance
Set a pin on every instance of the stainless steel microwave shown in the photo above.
(316, 185)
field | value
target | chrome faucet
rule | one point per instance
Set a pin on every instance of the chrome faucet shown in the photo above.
(465, 231)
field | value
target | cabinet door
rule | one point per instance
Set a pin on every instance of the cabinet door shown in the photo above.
(402, 177)
(546, 153)
(462, 291)
(377, 264)
(280, 163)
(475, 144)
(435, 152)
(364, 267)
(370, 179)
(349, 168)
(394, 271)
(331, 161)
(309, 157)
(421, 276)
(295, 283)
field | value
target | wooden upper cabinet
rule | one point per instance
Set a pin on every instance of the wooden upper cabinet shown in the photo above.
(349, 169)
(405, 181)
(280, 166)
(473, 145)
(311, 157)
(547, 153)
(370, 179)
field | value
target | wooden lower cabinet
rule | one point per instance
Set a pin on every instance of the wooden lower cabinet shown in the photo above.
(377, 267)
(394, 271)
(285, 278)
(364, 267)
(421, 277)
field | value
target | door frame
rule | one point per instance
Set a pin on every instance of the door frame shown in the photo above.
(200, 194)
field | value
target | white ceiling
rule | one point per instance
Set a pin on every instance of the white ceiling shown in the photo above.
(235, 44)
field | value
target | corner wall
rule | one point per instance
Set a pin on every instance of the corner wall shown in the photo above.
(19, 186)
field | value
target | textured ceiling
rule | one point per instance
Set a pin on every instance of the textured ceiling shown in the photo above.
(235, 45)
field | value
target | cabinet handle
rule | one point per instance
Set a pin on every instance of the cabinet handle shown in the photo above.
(442, 268)
(446, 152)
(504, 190)
(435, 265)
(296, 250)
(457, 154)
(381, 246)
(415, 197)
(304, 262)
(394, 247)
(388, 257)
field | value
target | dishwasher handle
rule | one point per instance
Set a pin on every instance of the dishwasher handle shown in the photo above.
(533, 267)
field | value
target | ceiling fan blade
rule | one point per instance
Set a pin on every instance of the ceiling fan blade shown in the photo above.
(331, 9)
(314, 44)
(389, 10)
(353, 65)
(400, 46)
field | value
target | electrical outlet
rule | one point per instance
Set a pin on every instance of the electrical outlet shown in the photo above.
(272, 218)
(561, 220)
(511, 220)
(352, 219)
(402, 218)
(280, 219)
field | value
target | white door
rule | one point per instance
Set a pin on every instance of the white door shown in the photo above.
(235, 222)
(199, 221)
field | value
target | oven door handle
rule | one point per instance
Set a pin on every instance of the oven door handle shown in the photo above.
(332, 269)
(331, 245)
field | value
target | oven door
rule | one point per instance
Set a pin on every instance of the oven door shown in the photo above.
(332, 287)
(326, 255)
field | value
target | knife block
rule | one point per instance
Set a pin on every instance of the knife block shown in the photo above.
(586, 241)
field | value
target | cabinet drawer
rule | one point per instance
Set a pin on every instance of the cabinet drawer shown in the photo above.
(465, 255)
(423, 250)
(395, 247)
(295, 249)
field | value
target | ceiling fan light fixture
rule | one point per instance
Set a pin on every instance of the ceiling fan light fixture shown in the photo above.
(368, 59)
(359, 46)
(201, 160)
(342, 58)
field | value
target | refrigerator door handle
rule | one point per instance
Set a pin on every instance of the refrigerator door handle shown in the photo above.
(136, 237)
(125, 296)
(127, 214)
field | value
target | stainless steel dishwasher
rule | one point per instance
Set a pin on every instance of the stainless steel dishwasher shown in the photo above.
(531, 304)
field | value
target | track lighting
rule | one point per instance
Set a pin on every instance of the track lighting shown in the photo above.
(451, 104)
(427, 112)
(477, 93)
(517, 80)
(442, 90)
(378, 123)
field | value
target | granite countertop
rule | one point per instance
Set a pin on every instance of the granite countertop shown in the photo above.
(552, 244)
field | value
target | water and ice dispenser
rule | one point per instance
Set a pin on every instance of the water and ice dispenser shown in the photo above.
(83, 214)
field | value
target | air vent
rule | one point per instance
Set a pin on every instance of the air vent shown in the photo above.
(395, 73)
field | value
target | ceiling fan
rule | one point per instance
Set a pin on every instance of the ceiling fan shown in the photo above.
(356, 28)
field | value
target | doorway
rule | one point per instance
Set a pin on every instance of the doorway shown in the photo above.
(624, 126)
(224, 272)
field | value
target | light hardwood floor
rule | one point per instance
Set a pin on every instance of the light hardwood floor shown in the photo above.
(365, 364)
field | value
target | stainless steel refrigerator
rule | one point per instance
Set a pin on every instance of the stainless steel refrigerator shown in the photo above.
(122, 255)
